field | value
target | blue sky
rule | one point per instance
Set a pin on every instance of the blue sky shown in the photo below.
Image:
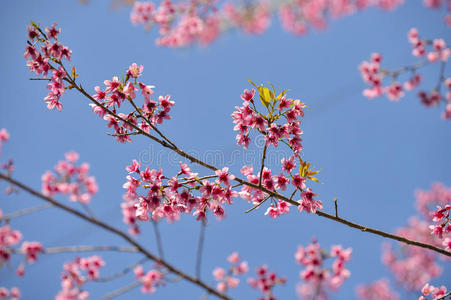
(373, 154)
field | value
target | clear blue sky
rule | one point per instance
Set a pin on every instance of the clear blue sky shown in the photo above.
(373, 154)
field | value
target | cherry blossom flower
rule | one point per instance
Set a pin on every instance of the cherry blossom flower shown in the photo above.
(265, 282)
(12, 294)
(75, 274)
(8, 238)
(70, 180)
(435, 51)
(434, 292)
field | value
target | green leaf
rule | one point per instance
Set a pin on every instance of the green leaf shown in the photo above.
(281, 94)
(265, 95)
(252, 83)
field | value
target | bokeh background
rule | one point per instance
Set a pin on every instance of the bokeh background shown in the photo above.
(373, 154)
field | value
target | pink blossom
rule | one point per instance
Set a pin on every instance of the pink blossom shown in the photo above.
(134, 71)
(248, 95)
(31, 250)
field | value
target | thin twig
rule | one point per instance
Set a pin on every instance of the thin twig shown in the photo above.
(205, 296)
(24, 212)
(150, 123)
(121, 291)
(200, 247)
(258, 205)
(70, 249)
(88, 210)
(336, 207)
(158, 238)
(45, 79)
(123, 134)
(122, 272)
(262, 164)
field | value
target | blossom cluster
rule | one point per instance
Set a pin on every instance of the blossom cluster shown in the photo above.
(273, 183)
(265, 282)
(75, 274)
(429, 52)
(442, 226)
(227, 279)
(434, 292)
(435, 206)
(31, 251)
(70, 179)
(247, 118)
(316, 277)
(168, 198)
(117, 91)
(10, 238)
(379, 290)
(42, 49)
(11, 294)
(297, 16)
(184, 23)
(279, 124)
(150, 280)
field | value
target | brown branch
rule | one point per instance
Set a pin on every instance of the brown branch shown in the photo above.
(117, 232)
(272, 193)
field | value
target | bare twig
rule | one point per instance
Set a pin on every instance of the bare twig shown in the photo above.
(122, 272)
(336, 207)
(24, 212)
(258, 205)
(200, 248)
(122, 291)
(262, 164)
(67, 249)
(156, 230)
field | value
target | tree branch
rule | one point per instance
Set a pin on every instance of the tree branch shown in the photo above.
(269, 192)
